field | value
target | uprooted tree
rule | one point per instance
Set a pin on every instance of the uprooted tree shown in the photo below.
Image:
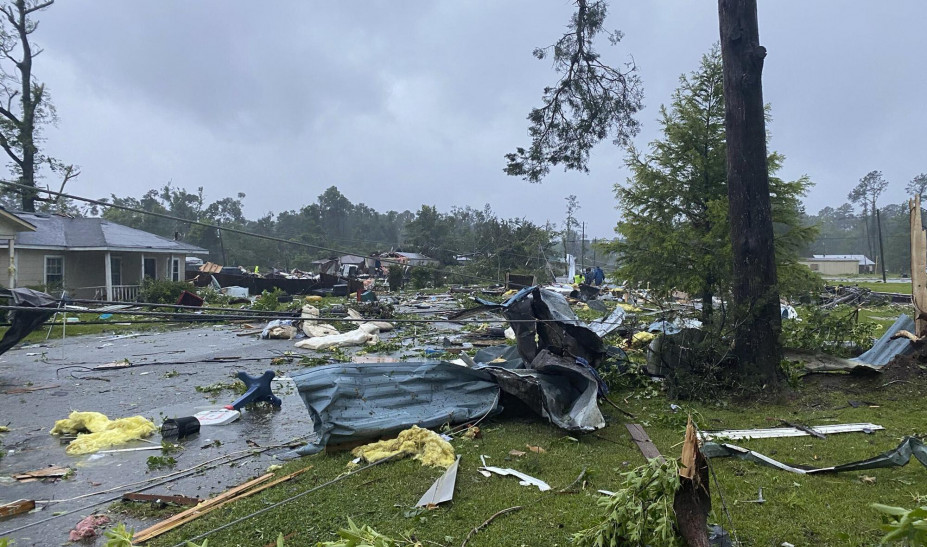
(24, 102)
(591, 102)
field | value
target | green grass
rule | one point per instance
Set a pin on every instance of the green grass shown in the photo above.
(803, 510)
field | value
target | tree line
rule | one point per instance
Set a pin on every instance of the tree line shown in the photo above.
(847, 230)
(473, 241)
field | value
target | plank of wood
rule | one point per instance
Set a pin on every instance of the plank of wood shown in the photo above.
(176, 500)
(54, 471)
(643, 442)
(235, 494)
(17, 507)
(918, 266)
(194, 512)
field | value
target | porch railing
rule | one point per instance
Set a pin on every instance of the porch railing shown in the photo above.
(121, 293)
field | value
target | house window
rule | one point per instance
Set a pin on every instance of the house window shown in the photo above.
(150, 267)
(175, 269)
(115, 264)
(54, 271)
(815, 267)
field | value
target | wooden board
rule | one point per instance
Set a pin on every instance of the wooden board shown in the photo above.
(55, 472)
(642, 440)
(17, 507)
(212, 504)
(918, 267)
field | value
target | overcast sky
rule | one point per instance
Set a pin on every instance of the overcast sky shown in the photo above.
(400, 103)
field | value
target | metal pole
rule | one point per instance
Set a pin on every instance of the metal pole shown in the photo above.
(582, 247)
(881, 252)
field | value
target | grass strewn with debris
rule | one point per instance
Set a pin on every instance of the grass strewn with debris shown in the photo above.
(802, 510)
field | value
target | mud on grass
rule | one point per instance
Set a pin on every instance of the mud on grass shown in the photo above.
(803, 510)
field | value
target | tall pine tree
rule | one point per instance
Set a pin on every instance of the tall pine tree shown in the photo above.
(674, 232)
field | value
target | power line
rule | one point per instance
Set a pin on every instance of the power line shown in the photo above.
(102, 203)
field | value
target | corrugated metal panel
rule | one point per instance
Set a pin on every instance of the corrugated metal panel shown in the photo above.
(356, 401)
(885, 349)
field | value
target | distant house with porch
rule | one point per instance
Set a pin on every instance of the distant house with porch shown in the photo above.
(87, 257)
(839, 264)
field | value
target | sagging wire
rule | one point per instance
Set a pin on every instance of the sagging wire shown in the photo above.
(101, 203)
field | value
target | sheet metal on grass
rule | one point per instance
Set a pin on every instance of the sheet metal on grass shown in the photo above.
(357, 401)
(900, 456)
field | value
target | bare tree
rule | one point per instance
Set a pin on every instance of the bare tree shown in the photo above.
(589, 103)
(24, 102)
(755, 295)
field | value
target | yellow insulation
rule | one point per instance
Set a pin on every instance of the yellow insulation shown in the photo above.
(98, 432)
(423, 445)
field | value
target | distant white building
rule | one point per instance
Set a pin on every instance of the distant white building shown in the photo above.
(839, 264)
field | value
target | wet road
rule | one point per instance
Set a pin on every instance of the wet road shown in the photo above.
(162, 386)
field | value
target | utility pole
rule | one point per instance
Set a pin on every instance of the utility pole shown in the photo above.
(582, 247)
(881, 252)
(593, 253)
(225, 258)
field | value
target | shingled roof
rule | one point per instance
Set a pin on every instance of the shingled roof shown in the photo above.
(94, 234)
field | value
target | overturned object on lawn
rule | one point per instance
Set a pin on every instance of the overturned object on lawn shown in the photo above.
(898, 457)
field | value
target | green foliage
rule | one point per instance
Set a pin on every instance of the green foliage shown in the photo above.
(161, 462)
(162, 291)
(419, 277)
(394, 277)
(365, 536)
(907, 526)
(236, 386)
(838, 331)
(640, 513)
(268, 300)
(117, 536)
(590, 102)
(5, 542)
(675, 232)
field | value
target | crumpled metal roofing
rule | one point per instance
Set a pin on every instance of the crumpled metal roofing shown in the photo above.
(355, 401)
(885, 349)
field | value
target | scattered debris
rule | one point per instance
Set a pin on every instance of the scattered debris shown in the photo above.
(487, 523)
(239, 492)
(50, 472)
(642, 440)
(88, 528)
(898, 457)
(443, 489)
(778, 432)
(97, 432)
(524, 480)
(160, 498)
(423, 445)
(258, 391)
(17, 507)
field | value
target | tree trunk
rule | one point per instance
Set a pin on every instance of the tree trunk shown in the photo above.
(755, 305)
(27, 126)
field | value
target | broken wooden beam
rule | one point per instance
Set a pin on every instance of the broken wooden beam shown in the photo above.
(16, 508)
(643, 442)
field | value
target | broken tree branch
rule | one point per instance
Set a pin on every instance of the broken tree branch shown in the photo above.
(487, 522)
